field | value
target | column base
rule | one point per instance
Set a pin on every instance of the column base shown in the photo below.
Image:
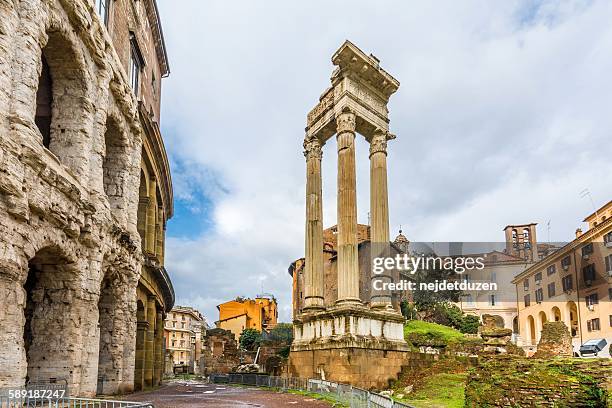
(349, 325)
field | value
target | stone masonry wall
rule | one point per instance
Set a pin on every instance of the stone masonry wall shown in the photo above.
(520, 382)
(60, 235)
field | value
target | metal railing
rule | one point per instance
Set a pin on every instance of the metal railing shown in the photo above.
(346, 394)
(69, 402)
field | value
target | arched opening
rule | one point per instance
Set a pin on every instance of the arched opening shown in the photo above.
(515, 325)
(47, 329)
(61, 98)
(556, 314)
(572, 314)
(110, 363)
(44, 100)
(531, 329)
(114, 166)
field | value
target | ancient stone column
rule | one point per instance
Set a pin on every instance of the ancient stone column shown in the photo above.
(348, 267)
(139, 363)
(313, 274)
(159, 340)
(151, 218)
(379, 215)
(150, 342)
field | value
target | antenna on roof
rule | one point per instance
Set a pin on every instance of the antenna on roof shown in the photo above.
(586, 193)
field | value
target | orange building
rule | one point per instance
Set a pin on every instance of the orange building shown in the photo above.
(236, 315)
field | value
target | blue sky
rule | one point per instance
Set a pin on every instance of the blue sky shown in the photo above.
(502, 116)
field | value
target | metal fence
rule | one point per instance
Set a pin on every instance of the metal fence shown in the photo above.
(346, 394)
(68, 402)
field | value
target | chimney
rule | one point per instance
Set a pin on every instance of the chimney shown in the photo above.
(578, 232)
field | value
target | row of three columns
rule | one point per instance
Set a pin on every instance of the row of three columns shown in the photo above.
(348, 266)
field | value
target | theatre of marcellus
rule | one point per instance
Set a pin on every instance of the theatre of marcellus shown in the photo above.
(353, 340)
(85, 192)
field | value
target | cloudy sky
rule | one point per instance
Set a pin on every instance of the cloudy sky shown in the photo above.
(504, 115)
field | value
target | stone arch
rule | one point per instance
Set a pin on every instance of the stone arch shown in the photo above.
(115, 165)
(62, 103)
(50, 288)
(531, 329)
(571, 316)
(556, 314)
(112, 324)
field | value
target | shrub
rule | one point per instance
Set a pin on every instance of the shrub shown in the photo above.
(250, 339)
(469, 324)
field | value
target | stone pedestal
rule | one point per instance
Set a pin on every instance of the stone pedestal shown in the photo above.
(349, 344)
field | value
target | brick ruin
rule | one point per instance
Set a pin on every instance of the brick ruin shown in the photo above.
(85, 193)
(220, 354)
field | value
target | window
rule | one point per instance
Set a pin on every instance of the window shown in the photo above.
(136, 65)
(551, 289)
(608, 264)
(469, 300)
(526, 284)
(567, 282)
(539, 295)
(609, 293)
(608, 237)
(587, 249)
(527, 300)
(591, 299)
(610, 320)
(493, 277)
(588, 274)
(492, 300)
(103, 8)
(538, 278)
(593, 325)
(566, 262)
(551, 270)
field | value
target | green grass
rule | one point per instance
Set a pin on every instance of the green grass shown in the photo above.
(447, 334)
(439, 391)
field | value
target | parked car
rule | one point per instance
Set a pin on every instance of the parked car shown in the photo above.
(591, 348)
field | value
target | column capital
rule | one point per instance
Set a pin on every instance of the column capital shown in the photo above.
(345, 122)
(313, 148)
(378, 144)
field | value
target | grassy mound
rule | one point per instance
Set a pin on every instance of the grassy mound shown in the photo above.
(420, 333)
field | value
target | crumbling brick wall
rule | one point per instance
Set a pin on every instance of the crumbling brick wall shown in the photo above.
(220, 354)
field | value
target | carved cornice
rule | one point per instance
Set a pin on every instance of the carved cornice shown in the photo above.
(345, 122)
(313, 149)
(378, 144)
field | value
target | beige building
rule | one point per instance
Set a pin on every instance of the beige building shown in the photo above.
(572, 285)
(183, 332)
(500, 267)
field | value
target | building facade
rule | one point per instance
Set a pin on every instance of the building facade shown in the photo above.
(183, 332)
(236, 315)
(85, 194)
(573, 285)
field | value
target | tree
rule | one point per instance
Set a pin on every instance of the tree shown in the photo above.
(282, 333)
(250, 339)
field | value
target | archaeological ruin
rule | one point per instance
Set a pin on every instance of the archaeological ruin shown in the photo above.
(85, 193)
(354, 340)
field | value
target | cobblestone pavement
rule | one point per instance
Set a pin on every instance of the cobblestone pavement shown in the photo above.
(193, 394)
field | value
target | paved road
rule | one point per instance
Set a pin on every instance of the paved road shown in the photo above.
(192, 394)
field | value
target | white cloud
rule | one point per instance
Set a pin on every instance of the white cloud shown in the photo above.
(502, 116)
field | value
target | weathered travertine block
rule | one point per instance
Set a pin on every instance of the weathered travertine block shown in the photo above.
(71, 143)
